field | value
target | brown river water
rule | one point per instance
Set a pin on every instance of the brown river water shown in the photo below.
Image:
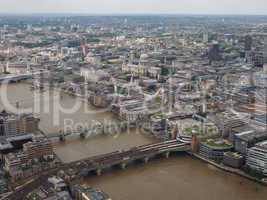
(177, 178)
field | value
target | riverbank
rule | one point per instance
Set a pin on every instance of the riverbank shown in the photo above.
(170, 179)
(222, 167)
(182, 177)
(228, 169)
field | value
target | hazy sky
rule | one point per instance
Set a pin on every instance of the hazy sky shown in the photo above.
(135, 6)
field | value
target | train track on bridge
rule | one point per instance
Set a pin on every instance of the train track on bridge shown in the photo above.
(96, 164)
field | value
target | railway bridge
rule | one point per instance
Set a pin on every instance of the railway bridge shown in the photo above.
(143, 153)
(73, 171)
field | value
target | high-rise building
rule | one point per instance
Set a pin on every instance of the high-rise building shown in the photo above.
(205, 37)
(265, 47)
(255, 57)
(248, 42)
(265, 55)
(214, 53)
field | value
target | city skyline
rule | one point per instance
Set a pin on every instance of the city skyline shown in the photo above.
(124, 99)
(227, 7)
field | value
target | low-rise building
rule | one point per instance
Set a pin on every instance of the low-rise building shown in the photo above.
(131, 110)
(92, 75)
(13, 144)
(17, 124)
(257, 157)
(17, 68)
(35, 156)
(247, 139)
(233, 159)
(160, 127)
(88, 193)
(133, 115)
(142, 70)
(214, 150)
(40, 148)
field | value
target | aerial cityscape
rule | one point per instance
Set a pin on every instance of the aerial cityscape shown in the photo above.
(133, 101)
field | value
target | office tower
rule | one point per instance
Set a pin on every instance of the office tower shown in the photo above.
(265, 55)
(214, 53)
(248, 43)
(205, 37)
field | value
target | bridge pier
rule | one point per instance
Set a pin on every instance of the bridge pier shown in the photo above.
(146, 159)
(123, 166)
(62, 138)
(167, 154)
(82, 135)
(99, 172)
(17, 105)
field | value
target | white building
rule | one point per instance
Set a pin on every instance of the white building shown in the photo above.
(142, 70)
(17, 68)
(260, 79)
(257, 157)
(93, 75)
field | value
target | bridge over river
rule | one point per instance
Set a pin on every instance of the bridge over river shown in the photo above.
(19, 77)
(97, 128)
(96, 165)
(123, 158)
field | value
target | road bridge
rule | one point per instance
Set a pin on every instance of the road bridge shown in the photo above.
(19, 77)
(15, 78)
(97, 129)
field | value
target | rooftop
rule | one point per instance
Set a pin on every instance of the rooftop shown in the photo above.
(218, 144)
(234, 154)
(262, 144)
(250, 136)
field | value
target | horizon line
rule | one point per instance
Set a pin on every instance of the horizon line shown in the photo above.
(127, 14)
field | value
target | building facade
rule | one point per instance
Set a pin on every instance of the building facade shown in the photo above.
(34, 157)
(214, 150)
(14, 124)
(257, 157)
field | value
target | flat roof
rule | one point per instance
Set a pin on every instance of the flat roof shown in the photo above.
(251, 135)
(5, 146)
(218, 144)
(262, 144)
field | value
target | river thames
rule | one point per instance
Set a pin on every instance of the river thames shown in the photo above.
(179, 177)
